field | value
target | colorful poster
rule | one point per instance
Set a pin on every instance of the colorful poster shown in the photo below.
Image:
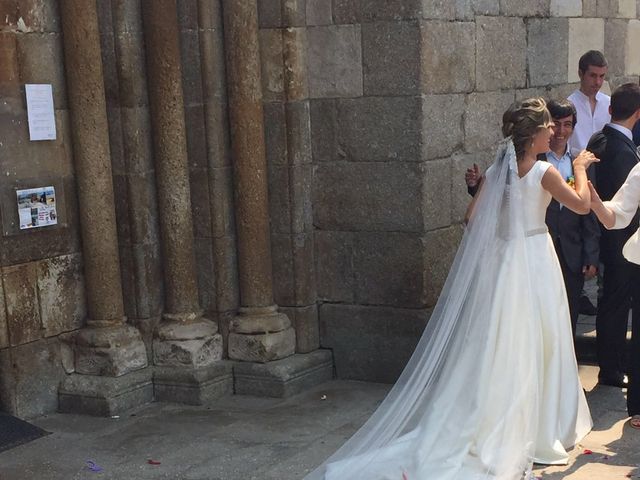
(37, 207)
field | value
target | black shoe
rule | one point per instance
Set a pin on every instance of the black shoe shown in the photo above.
(586, 307)
(619, 381)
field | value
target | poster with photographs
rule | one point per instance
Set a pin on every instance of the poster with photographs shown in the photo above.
(37, 207)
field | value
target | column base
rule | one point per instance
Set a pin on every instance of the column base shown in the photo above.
(192, 345)
(105, 396)
(109, 351)
(283, 378)
(261, 335)
(193, 386)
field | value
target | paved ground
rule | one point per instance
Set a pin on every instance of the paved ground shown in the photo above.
(244, 438)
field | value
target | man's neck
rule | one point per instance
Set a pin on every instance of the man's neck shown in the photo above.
(559, 149)
(628, 123)
(592, 98)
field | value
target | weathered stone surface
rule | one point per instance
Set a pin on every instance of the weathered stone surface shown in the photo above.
(439, 9)
(436, 194)
(584, 34)
(283, 274)
(149, 286)
(61, 294)
(378, 129)
(293, 269)
(632, 59)
(483, 119)
(9, 72)
(21, 297)
(305, 323)
(200, 204)
(385, 340)
(298, 118)
(4, 329)
(226, 261)
(187, 14)
(589, 8)
(30, 376)
(319, 12)
(504, 67)
(627, 9)
(439, 248)
(335, 61)
(615, 42)
(262, 348)
(334, 266)
(127, 16)
(39, 16)
(283, 378)
(206, 272)
(486, 7)
(389, 269)
(442, 123)
(275, 132)
(131, 69)
(194, 353)
(190, 386)
(546, 50)
(279, 199)
(301, 178)
(221, 189)
(324, 133)
(362, 11)
(271, 64)
(390, 58)
(270, 13)
(368, 196)
(447, 68)
(40, 57)
(565, 8)
(524, 8)
(112, 351)
(105, 396)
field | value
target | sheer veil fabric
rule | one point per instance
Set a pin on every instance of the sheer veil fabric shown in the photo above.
(466, 404)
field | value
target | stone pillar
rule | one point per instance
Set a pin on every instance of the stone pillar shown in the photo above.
(107, 346)
(304, 311)
(259, 333)
(184, 339)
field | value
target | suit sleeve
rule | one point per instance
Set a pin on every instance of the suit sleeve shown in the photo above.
(590, 229)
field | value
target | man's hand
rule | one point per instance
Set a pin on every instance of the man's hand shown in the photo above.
(472, 176)
(589, 271)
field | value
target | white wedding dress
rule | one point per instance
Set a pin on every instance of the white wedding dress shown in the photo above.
(493, 384)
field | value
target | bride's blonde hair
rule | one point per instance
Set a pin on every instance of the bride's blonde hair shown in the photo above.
(522, 120)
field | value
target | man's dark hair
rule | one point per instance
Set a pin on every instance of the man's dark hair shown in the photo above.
(625, 101)
(562, 109)
(591, 58)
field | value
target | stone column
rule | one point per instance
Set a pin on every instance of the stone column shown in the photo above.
(259, 333)
(304, 312)
(109, 354)
(184, 338)
(107, 346)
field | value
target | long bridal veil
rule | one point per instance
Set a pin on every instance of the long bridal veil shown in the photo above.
(465, 406)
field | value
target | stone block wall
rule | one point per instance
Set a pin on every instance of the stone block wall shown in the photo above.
(41, 283)
(403, 96)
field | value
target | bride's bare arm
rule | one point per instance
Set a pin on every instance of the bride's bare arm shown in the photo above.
(604, 214)
(578, 200)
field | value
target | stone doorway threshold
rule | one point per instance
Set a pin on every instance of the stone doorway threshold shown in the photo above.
(14, 432)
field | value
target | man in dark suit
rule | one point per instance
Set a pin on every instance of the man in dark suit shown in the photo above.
(621, 279)
(575, 237)
(636, 134)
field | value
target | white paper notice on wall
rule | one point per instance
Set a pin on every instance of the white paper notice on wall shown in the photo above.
(42, 119)
(37, 207)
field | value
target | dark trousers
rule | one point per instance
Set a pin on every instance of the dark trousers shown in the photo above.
(573, 282)
(620, 292)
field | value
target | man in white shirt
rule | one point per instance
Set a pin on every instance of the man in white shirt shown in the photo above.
(592, 106)
(592, 109)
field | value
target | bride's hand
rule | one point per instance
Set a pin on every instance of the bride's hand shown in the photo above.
(595, 198)
(584, 159)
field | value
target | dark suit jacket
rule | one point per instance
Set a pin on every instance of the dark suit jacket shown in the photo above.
(617, 156)
(636, 134)
(577, 236)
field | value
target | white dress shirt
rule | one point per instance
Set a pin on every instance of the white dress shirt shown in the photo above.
(588, 123)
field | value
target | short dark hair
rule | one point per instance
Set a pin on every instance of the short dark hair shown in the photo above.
(592, 58)
(625, 101)
(562, 109)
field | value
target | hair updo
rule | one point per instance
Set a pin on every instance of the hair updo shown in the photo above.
(522, 120)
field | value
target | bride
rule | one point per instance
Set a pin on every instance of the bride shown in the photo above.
(493, 384)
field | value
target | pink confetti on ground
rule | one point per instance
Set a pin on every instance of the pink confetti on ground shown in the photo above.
(587, 452)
